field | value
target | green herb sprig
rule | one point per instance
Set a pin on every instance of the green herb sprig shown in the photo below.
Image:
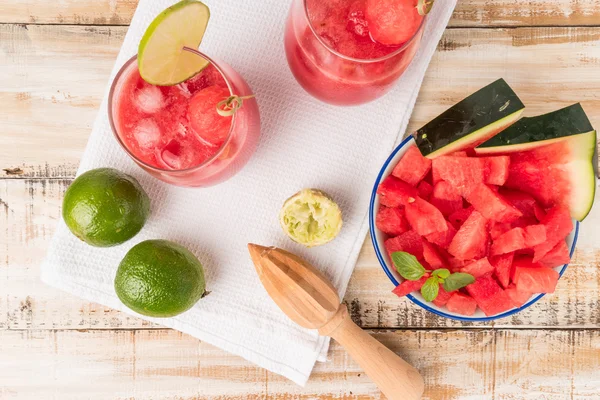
(411, 269)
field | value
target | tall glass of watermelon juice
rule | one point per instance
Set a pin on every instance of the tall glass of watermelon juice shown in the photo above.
(349, 52)
(175, 133)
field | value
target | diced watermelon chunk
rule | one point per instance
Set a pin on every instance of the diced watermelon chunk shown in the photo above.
(463, 173)
(535, 234)
(523, 262)
(442, 239)
(456, 265)
(496, 169)
(502, 268)
(459, 217)
(478, 268)
(490, 297)
(512, 240)
(406, 286)
(409, 242)
(535, 280)
(424, 217)
(539, 212)
(517, 297)
(558, 226)
(391, 221)
(462, 304)
(499, 228)
(425, 190)
(471, 240)
(395, 193)
(523, 202)
(491, 205)
(559, 255)
(446, 198)
(522, 222)
(459, 154)
(412, 167)
(431, 255)
(442, 297)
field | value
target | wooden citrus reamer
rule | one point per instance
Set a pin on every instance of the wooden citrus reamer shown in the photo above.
(309, 299)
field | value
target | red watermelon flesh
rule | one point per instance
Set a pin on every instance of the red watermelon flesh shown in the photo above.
(431, 255)
(412, 167)
(459, 217)
(517, 297)
(490, 297)
(463, 173)
(491, 205)
(395, 193)
(459, 154)
(442, 297)
(559, 255)
(523, 222)
(391, 221)
(425, 190)
(446, 198)
(461, 304)
(535, 234)
(424, 217)
(456, 265)
(409, 242)
(499, 228)
(496, 169)
(503, 268)
(406, 286)
(512, 240)
(478, 268)
(539, 212)
(471, 240)
(535, 280)
(522, 201)
(442, 239)
(558, 226)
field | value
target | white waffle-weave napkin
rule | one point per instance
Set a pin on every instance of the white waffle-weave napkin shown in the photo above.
(304, 143)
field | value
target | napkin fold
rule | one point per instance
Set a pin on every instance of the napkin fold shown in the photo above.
(304, 143)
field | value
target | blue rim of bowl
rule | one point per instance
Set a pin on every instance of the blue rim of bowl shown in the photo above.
(410, 296)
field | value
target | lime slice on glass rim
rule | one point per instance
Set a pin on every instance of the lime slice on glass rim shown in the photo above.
(162, 59)
(311, 217)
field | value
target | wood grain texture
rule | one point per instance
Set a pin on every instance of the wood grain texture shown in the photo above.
(476, 13)
(30, 210)
(47, 117)
(165, 364)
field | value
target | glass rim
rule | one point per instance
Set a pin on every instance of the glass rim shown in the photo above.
(113, 127)
(362, 60)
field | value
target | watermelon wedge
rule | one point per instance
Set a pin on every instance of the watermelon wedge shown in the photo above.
(551, 158)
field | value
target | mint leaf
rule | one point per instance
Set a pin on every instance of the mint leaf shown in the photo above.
(441, 273)
(458, 280)
(430, 289)
(407, 266)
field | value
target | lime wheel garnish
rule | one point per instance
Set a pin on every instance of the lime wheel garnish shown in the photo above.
(162, 58)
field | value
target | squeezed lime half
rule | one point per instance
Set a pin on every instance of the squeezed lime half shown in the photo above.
(311, 217)
(161, 57)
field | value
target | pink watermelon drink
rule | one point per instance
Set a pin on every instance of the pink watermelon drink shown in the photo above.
(349, 52)
(175, 132)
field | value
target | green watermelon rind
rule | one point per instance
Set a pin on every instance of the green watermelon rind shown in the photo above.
(471, 121)
(541, 130)
(583, 175)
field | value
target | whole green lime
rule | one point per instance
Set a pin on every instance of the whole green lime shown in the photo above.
(105, 207)
(159, 278)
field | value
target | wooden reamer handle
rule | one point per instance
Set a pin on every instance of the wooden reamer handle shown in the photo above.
(395, 377)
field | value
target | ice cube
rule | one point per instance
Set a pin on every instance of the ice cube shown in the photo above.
(149, 99)
(147, 133)
(175, 156)
(185, 90)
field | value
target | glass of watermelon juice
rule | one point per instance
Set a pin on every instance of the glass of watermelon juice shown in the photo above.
(332, 51)
(175, 132)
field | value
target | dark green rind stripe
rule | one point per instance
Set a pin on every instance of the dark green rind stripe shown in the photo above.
(469, 117)
(567, 121)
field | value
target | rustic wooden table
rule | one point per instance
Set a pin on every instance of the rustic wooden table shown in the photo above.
(55, 58)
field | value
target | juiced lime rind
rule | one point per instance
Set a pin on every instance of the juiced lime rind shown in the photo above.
(105, 207)
(311, 218)
(160, 279)
(161, 58)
